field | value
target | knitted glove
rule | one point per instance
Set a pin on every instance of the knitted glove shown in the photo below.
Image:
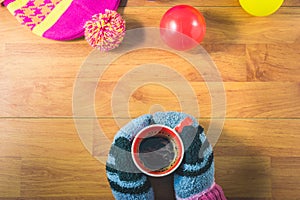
(125, 179)
(194, 179)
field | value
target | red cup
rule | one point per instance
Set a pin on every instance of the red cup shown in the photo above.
(158, 150)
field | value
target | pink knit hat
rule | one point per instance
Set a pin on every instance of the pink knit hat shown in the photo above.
(58, 19)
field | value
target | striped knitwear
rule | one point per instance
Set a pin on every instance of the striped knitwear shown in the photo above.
(57, 19)
(193, 180)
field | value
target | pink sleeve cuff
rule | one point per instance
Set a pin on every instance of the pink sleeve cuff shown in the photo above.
(215, 192)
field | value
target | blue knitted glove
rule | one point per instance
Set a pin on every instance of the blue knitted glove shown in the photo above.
(194, 179)
(126, 181)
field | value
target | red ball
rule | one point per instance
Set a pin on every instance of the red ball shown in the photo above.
(182, 27)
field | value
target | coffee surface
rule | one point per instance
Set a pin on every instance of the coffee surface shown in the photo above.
(157, 153)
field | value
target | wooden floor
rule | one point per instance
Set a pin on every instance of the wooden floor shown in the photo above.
(257, 155)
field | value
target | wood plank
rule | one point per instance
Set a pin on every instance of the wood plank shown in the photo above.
(49, 61)
(263, 62)
(280, 61)
(51, 138)
(286, 177)
(263, 137)
(250, 100)
(230, 61)
(65, 177)
(10, 177)
(216, 3)
(244, 177)
(33, 98)
(64, 60)
(29, 98)
(230, 25)
(167, 3)
(273, 62)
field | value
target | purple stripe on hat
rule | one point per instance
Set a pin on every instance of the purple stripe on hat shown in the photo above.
(6, 2)
(70, 25)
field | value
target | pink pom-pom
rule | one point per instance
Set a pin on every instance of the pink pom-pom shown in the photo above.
(105, 31)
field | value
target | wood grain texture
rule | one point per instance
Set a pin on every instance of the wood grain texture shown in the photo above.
(10, 177)
(245, 171)
(203, 3)
(52, 85)
(83, 180)
(285, 173)
(273, 62)
(55, 164)
(257, 156)
(33, 98)
(230, 25)
(244, 99)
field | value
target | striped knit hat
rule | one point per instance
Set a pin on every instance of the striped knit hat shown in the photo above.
(193, 180)
(58, 19)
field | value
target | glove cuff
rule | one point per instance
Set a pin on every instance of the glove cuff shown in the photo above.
(215, 192)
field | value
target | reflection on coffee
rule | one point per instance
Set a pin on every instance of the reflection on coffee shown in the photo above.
(157, 153)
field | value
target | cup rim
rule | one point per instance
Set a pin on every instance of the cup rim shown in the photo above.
(180, 154)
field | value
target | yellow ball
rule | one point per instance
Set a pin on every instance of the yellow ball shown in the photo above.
(261, 7)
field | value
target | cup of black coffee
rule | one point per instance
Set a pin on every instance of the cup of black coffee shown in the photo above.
(158, 150)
